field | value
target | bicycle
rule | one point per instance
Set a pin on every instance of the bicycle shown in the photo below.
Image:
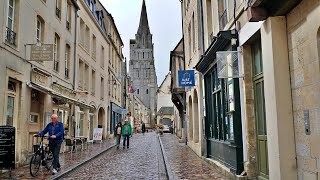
(43, 156)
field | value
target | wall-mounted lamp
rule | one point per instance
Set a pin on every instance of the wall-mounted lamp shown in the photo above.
(114, 83)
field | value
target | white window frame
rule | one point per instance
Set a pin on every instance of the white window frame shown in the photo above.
(66, 58)
(55, 49)
(68, 11)
(78, 126)
(39, 30)
(12, 94)
(34, 114)
(12, 18)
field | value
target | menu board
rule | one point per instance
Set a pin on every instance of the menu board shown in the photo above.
(7, 147)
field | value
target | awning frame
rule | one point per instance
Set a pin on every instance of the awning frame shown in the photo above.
(52, 92)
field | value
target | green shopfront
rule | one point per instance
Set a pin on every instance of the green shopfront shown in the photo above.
(223, 132)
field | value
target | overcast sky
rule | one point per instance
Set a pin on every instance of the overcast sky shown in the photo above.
(165, 24)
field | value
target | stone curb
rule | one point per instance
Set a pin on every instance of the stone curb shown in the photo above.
(170, 175)
(59, 176)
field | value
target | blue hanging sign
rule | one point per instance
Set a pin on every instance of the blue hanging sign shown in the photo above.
(186, 78)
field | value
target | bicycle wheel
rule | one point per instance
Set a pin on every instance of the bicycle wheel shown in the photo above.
(35, 163)
(49, 159)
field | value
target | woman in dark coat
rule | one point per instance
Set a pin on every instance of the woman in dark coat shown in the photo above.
(143, 128)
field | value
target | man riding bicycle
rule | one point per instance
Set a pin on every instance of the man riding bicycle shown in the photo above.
(56, 132)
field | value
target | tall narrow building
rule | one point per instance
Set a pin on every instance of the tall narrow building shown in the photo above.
(141, 65)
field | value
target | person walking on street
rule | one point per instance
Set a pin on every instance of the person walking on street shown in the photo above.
(143, 128)
(126, 133)
(56, 132)
(117, 133)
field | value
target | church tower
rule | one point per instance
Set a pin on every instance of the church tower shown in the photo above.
(141, 65)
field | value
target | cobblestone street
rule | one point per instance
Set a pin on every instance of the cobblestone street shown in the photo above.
(184, 163)
(143, 160)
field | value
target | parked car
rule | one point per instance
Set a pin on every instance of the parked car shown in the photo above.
(166, 128)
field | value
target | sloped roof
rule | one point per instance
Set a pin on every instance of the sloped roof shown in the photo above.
(144, 25)
(165, 111)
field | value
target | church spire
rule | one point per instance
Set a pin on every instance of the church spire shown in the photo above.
(144, 25)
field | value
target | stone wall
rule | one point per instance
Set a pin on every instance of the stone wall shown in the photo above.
(303, 35)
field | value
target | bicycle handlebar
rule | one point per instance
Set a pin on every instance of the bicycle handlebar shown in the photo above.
(36, 135)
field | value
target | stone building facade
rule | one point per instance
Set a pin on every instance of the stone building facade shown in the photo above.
(141, 65)
(303, 37)
(275, 96)
(100, 66)
(32, 90)
(165, 107)
(178, 96)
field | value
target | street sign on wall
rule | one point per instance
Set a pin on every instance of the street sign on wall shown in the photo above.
(186, 78)
(41, 53)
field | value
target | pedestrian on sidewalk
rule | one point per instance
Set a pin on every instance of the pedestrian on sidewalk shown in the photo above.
(117, 133)
(143, 128)
(126, 132)
(56, 132)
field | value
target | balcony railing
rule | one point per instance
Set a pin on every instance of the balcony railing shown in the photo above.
(11, 36)
(56, 65)
(223, 20)
(66, 73)
(68, 25)
(94, 54)
(58, 12)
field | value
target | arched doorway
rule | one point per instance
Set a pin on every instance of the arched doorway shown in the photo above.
(101, 116)
(190, 119)
(196, 117)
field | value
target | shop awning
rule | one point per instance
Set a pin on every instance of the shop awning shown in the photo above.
(219, 42)
(52, 92)
(118, 109)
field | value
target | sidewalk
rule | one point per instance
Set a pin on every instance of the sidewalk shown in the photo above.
(184, 163)
(68, 162)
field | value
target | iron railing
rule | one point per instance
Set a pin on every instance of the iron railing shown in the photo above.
(11, 36)
(68, 25)
(66, 73)
(56, 65)
(58, 12)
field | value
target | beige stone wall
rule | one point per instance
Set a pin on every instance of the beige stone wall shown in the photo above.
(110, 71)
(191, 16)
(303, 43)
(14, 64)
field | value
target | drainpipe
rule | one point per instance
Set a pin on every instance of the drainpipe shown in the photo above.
(74, 67)
(202, 51)
(75, 48)
(201, 28)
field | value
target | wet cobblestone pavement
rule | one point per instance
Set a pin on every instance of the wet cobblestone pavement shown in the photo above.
(143, 160)
(67, 160)
(184, 163)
